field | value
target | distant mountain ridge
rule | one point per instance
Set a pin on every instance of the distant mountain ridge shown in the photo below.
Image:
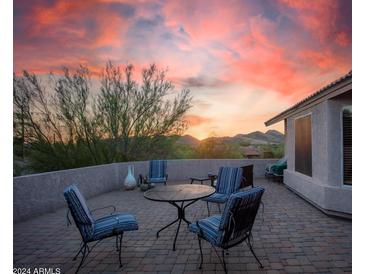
(188, 140)
(254, 138)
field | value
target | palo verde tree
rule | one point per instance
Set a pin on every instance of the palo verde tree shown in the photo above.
(57, 124)
(137, 119)
(65, 125)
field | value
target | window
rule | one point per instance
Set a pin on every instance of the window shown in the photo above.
(303, 145)
(347, 145)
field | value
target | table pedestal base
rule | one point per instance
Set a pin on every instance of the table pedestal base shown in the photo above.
(180, 217)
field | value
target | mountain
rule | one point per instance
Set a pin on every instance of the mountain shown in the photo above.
(252, 138)
(188, 140)
(275, 135)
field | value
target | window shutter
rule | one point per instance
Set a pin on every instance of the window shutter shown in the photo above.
(347, 146)
(303, 145)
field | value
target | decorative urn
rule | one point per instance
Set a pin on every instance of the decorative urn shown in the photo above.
(130, 182)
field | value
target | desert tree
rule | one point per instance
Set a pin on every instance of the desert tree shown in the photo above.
(66, 126)
(139, 117)
(58, 125)
(21, 105)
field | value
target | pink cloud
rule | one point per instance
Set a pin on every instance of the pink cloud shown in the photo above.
(205, 21)
(66, 21)
(321, 17)
(343, 39)
(285, 47)
(197, 120)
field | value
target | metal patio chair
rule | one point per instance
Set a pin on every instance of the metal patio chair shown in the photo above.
(228, 182)
(233, 227)
(157, 173)
(92, 230)
(276, 168)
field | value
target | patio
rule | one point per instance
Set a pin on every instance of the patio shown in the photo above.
(290, 236)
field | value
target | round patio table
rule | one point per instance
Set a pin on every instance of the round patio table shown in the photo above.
(175, 194)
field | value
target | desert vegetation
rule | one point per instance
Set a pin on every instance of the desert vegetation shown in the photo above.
(68, 120)
(62, 124)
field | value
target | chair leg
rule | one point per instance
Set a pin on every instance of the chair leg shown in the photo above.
(120, 250)
(117, 242)
(83, 257)
(219, 208)
(177, 233)
(208, 208)
(253, 253)
(201, 252)
(82, 246)
(224, 261)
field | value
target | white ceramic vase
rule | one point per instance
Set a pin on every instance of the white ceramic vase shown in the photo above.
(130, 182)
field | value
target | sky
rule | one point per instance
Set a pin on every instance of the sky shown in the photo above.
(244, 61)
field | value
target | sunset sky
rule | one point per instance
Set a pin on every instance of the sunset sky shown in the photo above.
(244, 61)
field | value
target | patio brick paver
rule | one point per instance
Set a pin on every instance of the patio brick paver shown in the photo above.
(290, 236)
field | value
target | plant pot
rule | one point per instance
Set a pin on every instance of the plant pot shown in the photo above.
(144, 187)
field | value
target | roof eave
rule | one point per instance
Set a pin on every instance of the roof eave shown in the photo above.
(316, 98)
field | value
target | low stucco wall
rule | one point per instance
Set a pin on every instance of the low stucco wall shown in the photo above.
(37, 194)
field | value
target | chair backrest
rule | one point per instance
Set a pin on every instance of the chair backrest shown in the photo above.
(281, 161)
(247, 176)
(229, 180)
(157, 169)
(79, 211)
(239, 216)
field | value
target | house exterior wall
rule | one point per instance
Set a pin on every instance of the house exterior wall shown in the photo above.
(325, 187)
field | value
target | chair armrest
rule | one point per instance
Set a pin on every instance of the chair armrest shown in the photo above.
(68, 220)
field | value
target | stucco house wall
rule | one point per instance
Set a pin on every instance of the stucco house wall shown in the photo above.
(325, 188)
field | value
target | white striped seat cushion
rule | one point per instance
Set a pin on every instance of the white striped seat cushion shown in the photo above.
(209, 229)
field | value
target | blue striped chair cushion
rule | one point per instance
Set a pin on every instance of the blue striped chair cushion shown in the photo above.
(156, 180)
(210, 229)
(240, 199)
(217, 198)
(79, 210)
(114, 225)
(157, 169)
(229, 180)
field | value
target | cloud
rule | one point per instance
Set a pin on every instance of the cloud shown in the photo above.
(282, 49)
(324, 18)
(343, 39)
(197, 120)
(201, 104)
(199, 82)
(65, 33)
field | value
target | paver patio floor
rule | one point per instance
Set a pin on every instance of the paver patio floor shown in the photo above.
(290, 236)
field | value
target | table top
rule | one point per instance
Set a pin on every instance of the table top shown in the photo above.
(179, 193)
